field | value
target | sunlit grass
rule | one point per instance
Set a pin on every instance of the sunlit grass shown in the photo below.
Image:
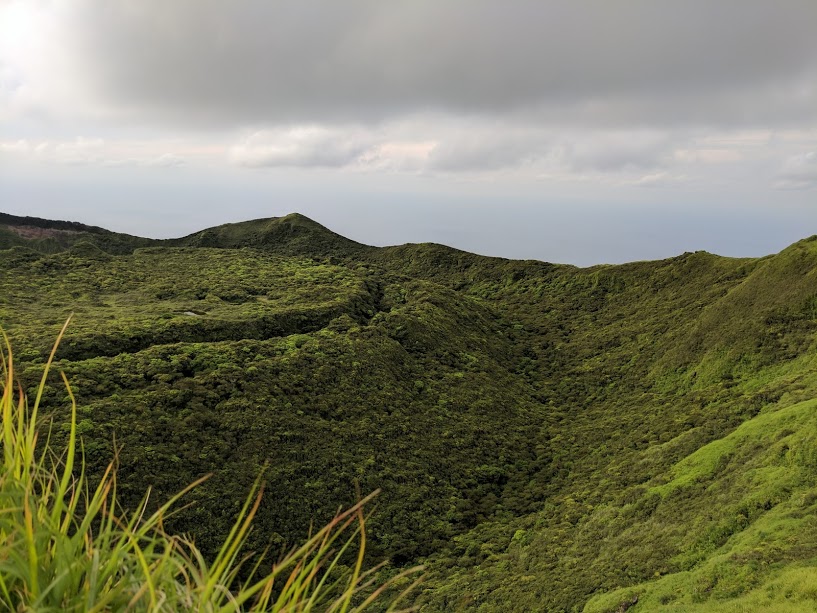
(67, 545)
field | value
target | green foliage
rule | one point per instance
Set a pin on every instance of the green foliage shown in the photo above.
(545, 437)
(66, 545)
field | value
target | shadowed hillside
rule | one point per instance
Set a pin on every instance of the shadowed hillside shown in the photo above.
(546, 437)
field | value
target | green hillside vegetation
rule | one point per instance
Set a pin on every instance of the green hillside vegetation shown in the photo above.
(290, 235)
(68, 547)
(636, 437)
(48, 236)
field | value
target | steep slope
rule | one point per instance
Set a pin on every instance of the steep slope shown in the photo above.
(740, 340)
(743, 509)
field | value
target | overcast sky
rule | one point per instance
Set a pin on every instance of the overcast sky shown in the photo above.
(573, 131)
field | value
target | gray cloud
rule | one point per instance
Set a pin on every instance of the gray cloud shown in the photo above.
(490, 147)
(622, 93)
(214, 63)
(455, 146)
(636, 150)
(494, 147)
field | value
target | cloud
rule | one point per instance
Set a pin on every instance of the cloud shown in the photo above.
(302, 146)
(88, 151)
(445, 146)
(798, 172)
(619, 150)
(208, 63)
(570, 151)
(489, 147)
(17, 147)
(621, 93)
(476, 109)
(80, 151)
(164, 160)
(658, 179)
(77, 151)
(167, 160)
(467, 146)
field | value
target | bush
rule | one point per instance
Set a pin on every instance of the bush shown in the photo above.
(65, 545)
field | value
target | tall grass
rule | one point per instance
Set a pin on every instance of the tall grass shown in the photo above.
(67, 545)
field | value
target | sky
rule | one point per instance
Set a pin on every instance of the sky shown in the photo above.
(573, 131)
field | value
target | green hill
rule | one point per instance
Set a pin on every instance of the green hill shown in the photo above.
(293, 234)
(636, 437)
(47, 236)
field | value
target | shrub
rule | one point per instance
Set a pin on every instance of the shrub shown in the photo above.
(65, 545)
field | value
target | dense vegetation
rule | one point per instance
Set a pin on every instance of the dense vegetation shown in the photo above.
(545, 437)
(67, 546)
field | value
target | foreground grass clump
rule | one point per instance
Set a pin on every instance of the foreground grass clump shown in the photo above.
(67, 546)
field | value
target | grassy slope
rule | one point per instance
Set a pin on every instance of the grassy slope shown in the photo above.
(545, 433)
(743, 510)
(731, 339)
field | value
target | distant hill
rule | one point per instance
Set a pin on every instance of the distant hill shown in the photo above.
(638, 437)
(293, 234)
(47, 236)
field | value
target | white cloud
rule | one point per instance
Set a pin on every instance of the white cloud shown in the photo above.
(303, 146)
(80, 151)
(540, 102)
(89, 151)
(469, 148)
(17, 147)
(798, 172)
(398, 156)
(658, 179)
(77, 151)
(40, 72)
(166, 160)
(454, 146)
